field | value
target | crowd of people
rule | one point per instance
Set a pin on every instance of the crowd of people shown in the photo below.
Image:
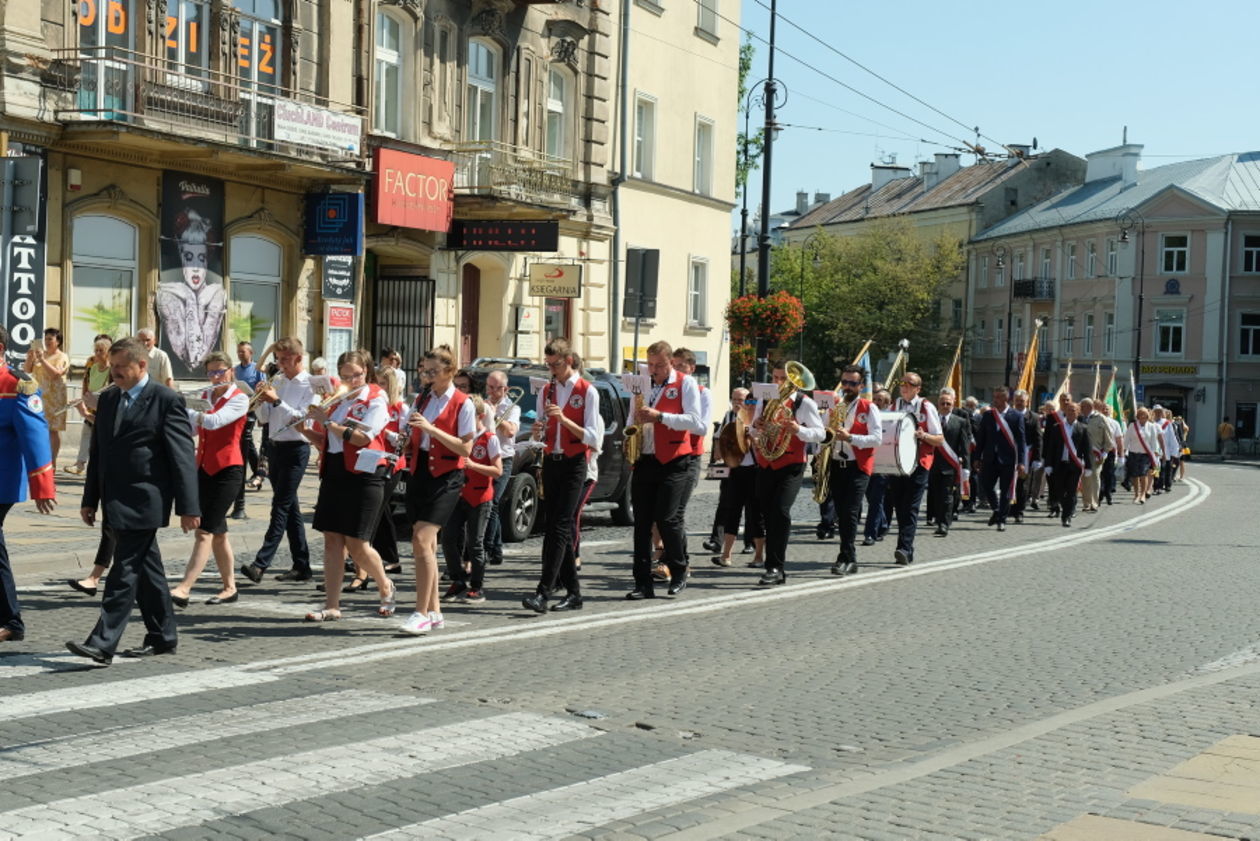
(149, 450)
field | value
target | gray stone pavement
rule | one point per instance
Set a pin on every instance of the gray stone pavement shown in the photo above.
(998, 687)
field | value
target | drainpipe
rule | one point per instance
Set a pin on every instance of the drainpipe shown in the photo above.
(614, 305)
(1223, 377)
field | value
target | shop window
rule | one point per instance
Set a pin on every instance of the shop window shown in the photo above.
(556, 313)
(254, 269)
(102, 286)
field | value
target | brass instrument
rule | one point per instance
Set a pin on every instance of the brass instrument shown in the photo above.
(255, 400)
(79, 402)
(502, 414)
(732, 443)
(342, 392)
(632, 446)
(774, 438)
(822, 459)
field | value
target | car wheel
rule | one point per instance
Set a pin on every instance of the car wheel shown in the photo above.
(623, 514)
(519, 508)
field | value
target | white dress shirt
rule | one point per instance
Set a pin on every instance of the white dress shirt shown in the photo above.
(465, 425)
(373, 421)
(690, 420)
(1150, 434)
(805, 411)
(507, 443)
(932, 418)
(232, 411)
(590, 413)
(295, 396)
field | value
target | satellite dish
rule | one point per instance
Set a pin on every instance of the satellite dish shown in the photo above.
(1034, 144)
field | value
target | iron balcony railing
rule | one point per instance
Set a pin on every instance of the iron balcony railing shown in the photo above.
(106, 84)
(500, 170)
(1035, 288)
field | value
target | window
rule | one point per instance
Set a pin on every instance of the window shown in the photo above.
(525, 79)
(644, 136)
(1045, 262)
(1113, 259)
(1069, 335)
(958, 314)
(254, 269)
(1017, 333)
(1018, 271)
(1249, 334)
(1091, 260)
(983, 280)
(1089, 335)
(702, 176)
(187, 36)
(558, 86)
(1109, 333)
(999, 337)
(104, 251)
(444, 73)
(1174, 252)
(982, 339)
(697, 293)
(1071, 262)
(1170, 332)
(387, 111)
(1251, 253)
(258, 64)
(482, 101)
(106, 87)
(708, 16)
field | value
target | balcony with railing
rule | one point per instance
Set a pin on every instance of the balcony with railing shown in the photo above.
(1034, 289)
(95, 85)
(495, 170)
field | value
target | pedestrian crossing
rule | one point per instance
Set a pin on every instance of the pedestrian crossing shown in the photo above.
(233, 749)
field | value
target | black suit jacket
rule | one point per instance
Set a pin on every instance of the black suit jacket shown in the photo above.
(135, 474)
(1032, 435)
(991, 442)
(957, 431)
(1053, 447)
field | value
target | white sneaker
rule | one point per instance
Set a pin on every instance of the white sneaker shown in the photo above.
(417, 624)
(436, 622)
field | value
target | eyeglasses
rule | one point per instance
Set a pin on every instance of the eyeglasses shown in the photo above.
(559, 363)
(428, 372)
(215, 373)
(850, 382)
(910, 384)
(353, 375)
(750, 401)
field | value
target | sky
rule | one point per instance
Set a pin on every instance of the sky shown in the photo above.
(1071, 75)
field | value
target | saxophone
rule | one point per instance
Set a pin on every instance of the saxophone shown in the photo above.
(775, 437)
(822, 459)
(633, 443)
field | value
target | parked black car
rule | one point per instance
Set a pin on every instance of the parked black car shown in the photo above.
(518, 509)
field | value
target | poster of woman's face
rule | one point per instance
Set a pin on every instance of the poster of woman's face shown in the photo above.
(191, 300)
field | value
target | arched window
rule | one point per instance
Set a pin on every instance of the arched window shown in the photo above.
(254, 267)
(390, 64)
(482, 101)
(559, 110)
(103, 284)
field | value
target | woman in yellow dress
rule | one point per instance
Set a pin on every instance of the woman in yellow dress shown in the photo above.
(49, 366)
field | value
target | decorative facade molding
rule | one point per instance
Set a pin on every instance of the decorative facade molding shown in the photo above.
(414, 8)
(487, 16)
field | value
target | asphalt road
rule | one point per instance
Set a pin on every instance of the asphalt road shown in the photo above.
(1002, 686)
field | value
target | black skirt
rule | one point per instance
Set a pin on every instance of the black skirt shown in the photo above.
(349, 503)
(217, 493)
(432, 499)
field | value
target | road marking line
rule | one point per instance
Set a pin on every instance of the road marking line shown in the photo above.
(1199, 493)
(114, 692)
(1224, 777)
(25, 665)
(1239, 658)
(581, 807)
(1098, 828)
(196, 799)
(116, 743)
(296, 611)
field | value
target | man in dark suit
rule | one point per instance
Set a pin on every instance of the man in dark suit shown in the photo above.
(999, 450)
(1031, 454)
(944, 479)
(142, 460)
(1067, 464)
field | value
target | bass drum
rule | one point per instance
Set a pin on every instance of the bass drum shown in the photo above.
(899, 453)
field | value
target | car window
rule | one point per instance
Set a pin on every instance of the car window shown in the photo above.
(606, 397)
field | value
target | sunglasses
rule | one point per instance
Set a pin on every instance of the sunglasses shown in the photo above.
(850, 382)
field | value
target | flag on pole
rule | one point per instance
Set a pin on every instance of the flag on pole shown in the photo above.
(1133, 391)
(1114, 400)
(864, 359)
(1065, 387)
(1029, 373)
(900, 362)
(1093, 395)
(954, 379)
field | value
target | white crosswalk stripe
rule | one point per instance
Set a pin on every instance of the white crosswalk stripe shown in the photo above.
(120, 742)
(560, 812)
(195, 799)
(25, 665)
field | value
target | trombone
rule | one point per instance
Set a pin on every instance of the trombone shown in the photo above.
(503, 413)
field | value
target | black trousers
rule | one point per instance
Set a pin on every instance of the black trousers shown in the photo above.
(10, 610)
(907, 496)
(656, 492)
(137, 575)
(738, 496)
(494, 522)
(776, 493)
(562, 491)
(693, 478)
(942, 493)
(1108, 484)
(465, 533)
(250, 452)
(997, 479)
(848, 490)
(1067, 477)
(876, 513)
(1022, 484)
(385, 539)
(288, 466)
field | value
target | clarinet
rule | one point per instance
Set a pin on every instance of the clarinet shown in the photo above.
(404, 430)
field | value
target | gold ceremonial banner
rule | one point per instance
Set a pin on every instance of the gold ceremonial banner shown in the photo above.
(954, 379)
(1029, 373)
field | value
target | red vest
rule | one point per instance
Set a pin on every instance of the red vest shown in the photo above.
(796, 447)
(697, 441)
(575, 410)
(220, 448)
(670, 443)
(927, 452)
(478, 487)
(864, 456)
(358, 410)
(440, 459)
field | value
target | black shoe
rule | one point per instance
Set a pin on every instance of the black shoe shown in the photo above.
(1001, 526)
(902, 557)
(1034, 506)
(91, 652)
(495, 560)
(149, 651)
(1067, 522)
(10, 635)
(748, 549)
(224, 599)
(75, 585)
(454, 591)
(772, 577)
(178, 601)
(294, 575)
(252, 572)
(838, 568)
(1019, 519)
(993, 519)
(824, 532)
(678, 584)
(640, 593)
(868, 541)
(712, 545)
(851, 569)
(941, 531)
(569, 602)
(536, 603)
(239, 514)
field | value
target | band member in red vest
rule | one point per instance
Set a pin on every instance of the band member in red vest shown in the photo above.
(852, 460)
(1000, 455)
(464, 533)
(568, 407)
(907, 491)
(779, 481)
(668, 420)
(353, 470)
(220, 472)
(385, 539)
(684, 361)
(442, 425)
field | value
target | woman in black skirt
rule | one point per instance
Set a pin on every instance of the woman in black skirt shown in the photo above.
(220, 469)
(441, 424)
(352, 481)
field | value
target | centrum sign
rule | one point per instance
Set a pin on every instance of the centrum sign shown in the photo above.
(553, 280)
(295, 122)
(1171, 370)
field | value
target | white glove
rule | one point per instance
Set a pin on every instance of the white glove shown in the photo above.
(1089, 473)
(1049, 471)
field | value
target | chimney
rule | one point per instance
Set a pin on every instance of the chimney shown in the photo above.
(1019, 150)
(881, 174)
(946, 164)
(1118, 162)
(821, 198)
(927, 171)
(802, 202)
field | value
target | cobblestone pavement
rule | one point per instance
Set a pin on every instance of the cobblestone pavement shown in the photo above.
(1044, 682)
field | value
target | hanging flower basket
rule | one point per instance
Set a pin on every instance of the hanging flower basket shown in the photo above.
(778, 317)
(742, 358)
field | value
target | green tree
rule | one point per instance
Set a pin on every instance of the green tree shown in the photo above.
(884, 284)
(756, 140)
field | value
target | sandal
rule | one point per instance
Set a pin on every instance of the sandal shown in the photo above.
(393, 569)
(328, 614)
(254, 484)
(387, 601)
(75, 469)
(357, 585)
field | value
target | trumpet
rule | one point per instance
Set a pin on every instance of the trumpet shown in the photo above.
(74, 404)
(342, 392)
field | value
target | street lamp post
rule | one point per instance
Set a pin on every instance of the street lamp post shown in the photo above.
(770, 95)
(808, 246)
(1000, 254)
(1129, 220)
(752, 98)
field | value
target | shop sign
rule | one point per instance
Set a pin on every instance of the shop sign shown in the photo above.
(341, 316)
(22, 254)
(309, 125)
(334, 223)
(468, 235)
(555, 280)
(338, 329)
(339, 274)
(1171, 370)
(413, 191)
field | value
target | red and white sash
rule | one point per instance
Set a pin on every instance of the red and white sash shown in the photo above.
(1142, 440)
(1067, 441)
(1005, 429)
(954, 462)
